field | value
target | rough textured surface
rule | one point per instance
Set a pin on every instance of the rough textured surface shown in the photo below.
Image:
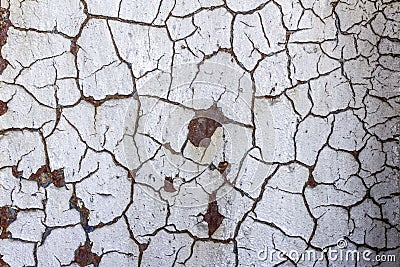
(199, 132)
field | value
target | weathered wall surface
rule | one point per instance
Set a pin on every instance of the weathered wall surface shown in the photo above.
(199, 133)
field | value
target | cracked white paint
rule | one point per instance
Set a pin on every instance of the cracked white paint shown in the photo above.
(294, 105)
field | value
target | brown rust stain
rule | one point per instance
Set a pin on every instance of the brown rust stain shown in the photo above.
(212, 217)
(143, 247)
(7, 216)
(222, 166)
(355, 154)
(3, 263)
(15, 172)
(97, 103)
(204, 124)
(334, 4)
(77, 204)
(311, 182)
(44, 176)
(132, 174)
(201, 129)
(74, 47)
(92, 100)
(58, 178)
(288, 33)
(3, 107)
(84, 256)
(4, 25)
(169, 185)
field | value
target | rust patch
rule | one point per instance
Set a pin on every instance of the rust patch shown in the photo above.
(200, 131)
(169, 185)
(288, 33)
(222, 166)
(143, 247)
(4, 25)
(84, 256)
(7, 216)
(77, 203)
(58, 178)
(132, 174)
(45, 177)
(311, 182)
(98, 103)
(91, 100)
(213, 218)
(3, 263)
(3, 106)
(204, 124)
(74, 47)
(355, 154)
(16, 173)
